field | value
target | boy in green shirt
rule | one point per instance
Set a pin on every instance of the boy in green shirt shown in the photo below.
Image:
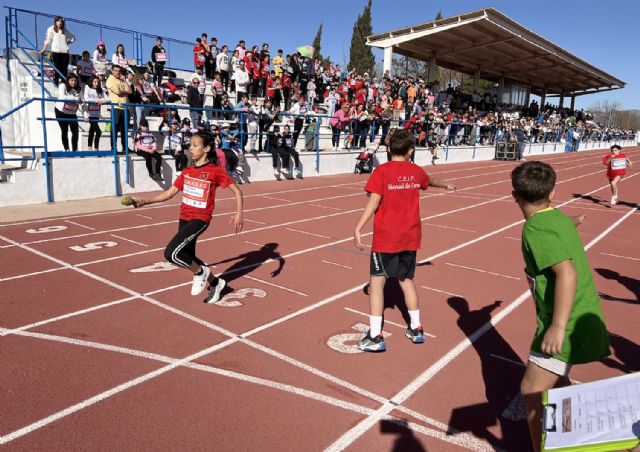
(570, 325)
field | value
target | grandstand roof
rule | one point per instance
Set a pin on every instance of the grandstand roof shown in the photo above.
(489, 41)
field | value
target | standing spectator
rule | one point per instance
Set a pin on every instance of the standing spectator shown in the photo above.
(286, 90)
(277, 63)
(234, 64)
(241, 49)
(146, 146)
(217, 89)
(207, 55)
(100, 58)
(118, 90)
(338, 121)
(198, 54)
(195, 99)
(242, 81)
(66, 110)
(299, 110)
(289, 148)
(93, 97)
(213, 55)
(159, 59)
(59, 38)
(222, 62)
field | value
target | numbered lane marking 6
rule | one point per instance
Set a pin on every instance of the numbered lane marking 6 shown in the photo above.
(231, 300)
(93, 246)
(46, 229)
(346, 342)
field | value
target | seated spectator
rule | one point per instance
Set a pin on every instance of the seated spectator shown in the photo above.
(120, 59)
(173, 144)
(146, 146)
(100, 59)
(85, 69)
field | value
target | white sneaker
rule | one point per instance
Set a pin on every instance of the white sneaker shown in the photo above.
(299, 173)
(239, 170)
(286, 171)
(200, 281)
(214, 292)
(276, 172)
(614, 200)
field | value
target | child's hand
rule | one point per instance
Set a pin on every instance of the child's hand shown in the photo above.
(357, 239)
(578, 219)
(552, 341)
(450, 187)
(237, 222)
(139, 202)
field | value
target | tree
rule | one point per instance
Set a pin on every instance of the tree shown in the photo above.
(439, 15)
(360, 54)
(316, 43)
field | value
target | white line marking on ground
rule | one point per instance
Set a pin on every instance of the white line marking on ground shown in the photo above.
(276, 285)
(364, 314)
(621, 257)
(336, 264)
(26, 275)
(253, 221)
(277, 199)
(514, 238)
(214, 327)
(261, 245)
(128, 240)
(449, 227)
(481, 271)
(362, 427)
(442, 291)
(144, 216)
(325, 207)
(80, 225)
(309, 233)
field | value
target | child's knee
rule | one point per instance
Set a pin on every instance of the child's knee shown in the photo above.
(168, 254)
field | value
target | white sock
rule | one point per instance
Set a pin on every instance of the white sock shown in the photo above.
(375, 325)
(415, 319)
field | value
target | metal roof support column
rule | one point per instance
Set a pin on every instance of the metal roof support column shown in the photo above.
(573, 101)
(500, 89)
(561, 102)
(527, 98)
(432, 69)
(476, 80)
(386, 62)
(543, 99)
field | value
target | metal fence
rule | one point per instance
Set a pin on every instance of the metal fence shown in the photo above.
(33, 26)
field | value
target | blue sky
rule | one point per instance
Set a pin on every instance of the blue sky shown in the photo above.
(603, 33)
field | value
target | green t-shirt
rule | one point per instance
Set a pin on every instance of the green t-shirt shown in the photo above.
(548, 238)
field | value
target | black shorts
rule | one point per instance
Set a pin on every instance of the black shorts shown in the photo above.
(393, 265)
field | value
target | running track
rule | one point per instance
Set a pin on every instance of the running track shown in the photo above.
(103, 348)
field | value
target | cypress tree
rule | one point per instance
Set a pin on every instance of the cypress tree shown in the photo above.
(316, 43)
(360, 54)
(439, 15)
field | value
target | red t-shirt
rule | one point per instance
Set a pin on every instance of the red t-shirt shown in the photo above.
(198, 186)
(616, 165)
(270, 92)
(396, 224)
(198, 58)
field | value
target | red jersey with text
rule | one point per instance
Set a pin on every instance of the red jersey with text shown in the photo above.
(396, 224)
(198, 185)
(616, 165)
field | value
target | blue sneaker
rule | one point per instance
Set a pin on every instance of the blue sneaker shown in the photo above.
(369, 344)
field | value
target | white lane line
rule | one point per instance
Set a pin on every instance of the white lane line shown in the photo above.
(309, 233)
(128, 240)
(261, 245)
(364, 314)
(336, 264)
(621, 257)
(197, 320)
(26, 275)
(449, 227)
(144, 216)
(276, 285)
(362, 427)
(277, 199)
(514, 238)
(442, 291)
(68, 315)
(482, 271)
(325, 207)
(80, 225)
(253, 221)
(6, 246)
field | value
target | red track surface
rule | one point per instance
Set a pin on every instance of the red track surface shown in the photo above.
(99, 355)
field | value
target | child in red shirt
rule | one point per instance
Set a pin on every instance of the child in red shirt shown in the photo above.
(394, 190)
(616, 163)
(198, 184)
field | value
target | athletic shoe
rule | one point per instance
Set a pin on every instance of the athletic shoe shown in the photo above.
(239, 170)
(286, 171)
(200, 281)
(614, 200)
(215, 291)
(416, 335)
(369, 344)
(276, 172)
(433, 161)
(299, 173)
(157, 177)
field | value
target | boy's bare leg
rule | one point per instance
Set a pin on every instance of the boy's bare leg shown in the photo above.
(410, 293)
(614, 186)
(376, 295)
(536, 380)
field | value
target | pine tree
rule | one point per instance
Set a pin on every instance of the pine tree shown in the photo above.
(360, 54)
(316, 43)
(439, 15)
